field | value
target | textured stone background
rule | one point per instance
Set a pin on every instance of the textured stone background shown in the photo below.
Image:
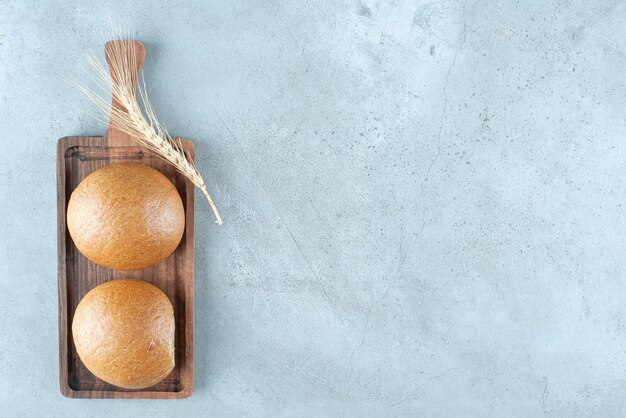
(423, 202)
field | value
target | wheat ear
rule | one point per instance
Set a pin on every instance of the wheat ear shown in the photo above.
(142, 126)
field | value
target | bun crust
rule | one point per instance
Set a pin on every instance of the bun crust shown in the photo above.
(126, 217)
(124, 333)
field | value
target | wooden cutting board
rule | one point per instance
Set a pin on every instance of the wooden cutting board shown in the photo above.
(77, 157)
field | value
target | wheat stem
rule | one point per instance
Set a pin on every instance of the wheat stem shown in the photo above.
(142, 126)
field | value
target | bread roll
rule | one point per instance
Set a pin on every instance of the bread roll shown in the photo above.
(124, 333)
(126, 217)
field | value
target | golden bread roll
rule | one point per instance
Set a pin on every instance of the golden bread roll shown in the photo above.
(126, 217)
(124, 333)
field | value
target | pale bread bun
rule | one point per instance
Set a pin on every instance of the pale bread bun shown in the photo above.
(124, 333)
(126, 217)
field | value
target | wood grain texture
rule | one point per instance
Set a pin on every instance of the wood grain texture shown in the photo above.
(77, 157)
(135, 57)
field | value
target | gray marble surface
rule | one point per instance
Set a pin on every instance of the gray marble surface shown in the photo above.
(423, 202)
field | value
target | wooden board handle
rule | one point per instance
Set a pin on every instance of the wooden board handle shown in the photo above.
(134, 55)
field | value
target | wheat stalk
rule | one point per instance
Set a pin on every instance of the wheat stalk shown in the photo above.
(142, 126)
